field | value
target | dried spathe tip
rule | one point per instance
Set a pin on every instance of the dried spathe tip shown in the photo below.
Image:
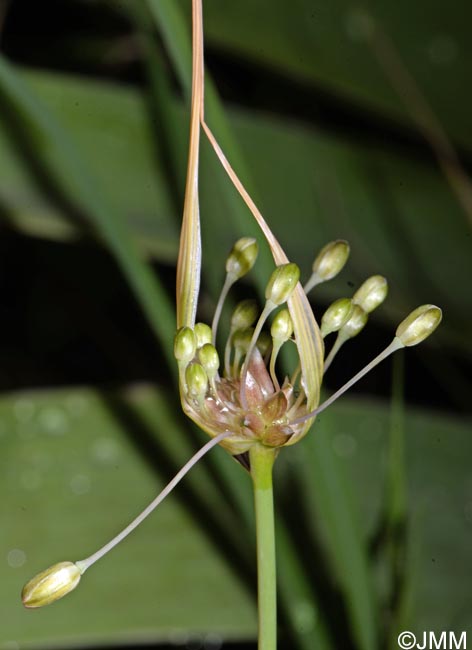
(51, 584)
(419, 325)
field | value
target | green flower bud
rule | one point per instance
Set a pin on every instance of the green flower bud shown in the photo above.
(331, 259)
(419, 325)
(51, 584)
(336, 316)
(203, 334)
(242, 339)
(282, 283)
(244, 315)
(355, 323)
(208, 357)
(264, 343)
(242, 257)
(185, 345)
(371, 293)
(282, 326)
(197, 381)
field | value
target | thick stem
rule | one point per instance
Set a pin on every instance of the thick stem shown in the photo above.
(262, 460)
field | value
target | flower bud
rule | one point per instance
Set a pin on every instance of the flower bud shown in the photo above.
(355, 323)
(242, 257)
(282, 283)
(371, 293)
(203, 334)
(282, 326)
(242, 339)
(264, 343)
(197, 381)
(336, 316)
(185, 345)
(419, 325)
(208, 357)
(330, 260)
(51, 584)
(244, 315)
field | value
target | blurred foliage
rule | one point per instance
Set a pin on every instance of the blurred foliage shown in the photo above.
(318, 132)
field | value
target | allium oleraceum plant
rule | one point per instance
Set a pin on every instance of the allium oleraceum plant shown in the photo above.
(237, 397)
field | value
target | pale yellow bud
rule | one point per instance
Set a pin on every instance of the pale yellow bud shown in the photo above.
(331, 259)
(336, 316)
(282, 283)
(203, 334)
(371, 293)
(242, 257)
(419, 325)
(282, 326)
(197, 381)
(244, 315)
(51, 584)
(185, 345)
(208, 357)
(355, 323)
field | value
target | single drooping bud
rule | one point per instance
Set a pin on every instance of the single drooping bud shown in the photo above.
(282, 326)
(242, 257)
(337, 315)
(197, 381)
(51, 584)
(371, 293)
(208, 357)
(244, 315)
(328, 263)
(416, 327)
(185, 346)
(264, 343)
(203, 334)
(282, 283)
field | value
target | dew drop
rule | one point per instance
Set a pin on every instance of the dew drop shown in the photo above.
(16, 558)
(305, 617)
(344, 445)
(105, 451)
(53, 420)
(80, 484)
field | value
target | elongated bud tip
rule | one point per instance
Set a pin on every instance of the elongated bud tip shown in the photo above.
(282, 283)
(197, 381)
(355, 323)
(208, 357)
(244, 315)
(331, 259)
(242, 257)
(203, 334)
(419, 325)
(51, 584)
(371, 293)
(185, 345)
(282, 326)
(336, 316)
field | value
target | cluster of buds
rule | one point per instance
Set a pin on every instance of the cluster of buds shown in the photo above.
(243, 395)
(242, 402)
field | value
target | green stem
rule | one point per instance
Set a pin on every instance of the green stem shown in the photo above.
(262, 460)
